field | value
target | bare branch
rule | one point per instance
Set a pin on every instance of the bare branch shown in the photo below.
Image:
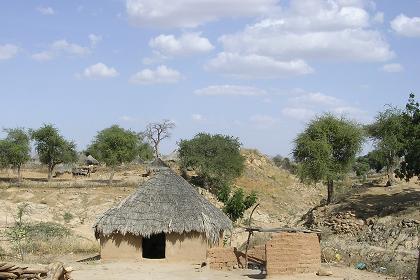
(156, 132)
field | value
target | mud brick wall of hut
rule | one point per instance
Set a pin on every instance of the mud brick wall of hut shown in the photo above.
(290, 253)
(284, 253)
(227, 258)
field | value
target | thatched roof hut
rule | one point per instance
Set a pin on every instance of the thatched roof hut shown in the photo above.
(165, 204)
(90, 160)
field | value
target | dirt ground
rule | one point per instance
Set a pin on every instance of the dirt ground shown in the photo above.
(160, 270)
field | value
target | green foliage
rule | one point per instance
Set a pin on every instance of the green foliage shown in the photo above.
(52, 148)
(215, 158)
(250, 200)
(18, 147)
(68, 217)
(387, 133)
(361, 167)
(223, 193)
(116, 145)
(327, 149)
(145, 151)
(375, 160)
(4, 148)
(410, 166)
(15, 149)
(19, 232)
(285, 163)
(46, 231)
(238, 203)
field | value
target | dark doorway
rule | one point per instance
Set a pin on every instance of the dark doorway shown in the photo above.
(154, 246)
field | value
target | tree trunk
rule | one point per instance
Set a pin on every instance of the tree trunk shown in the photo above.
(157, 151)
(330, 189)
(19, 174)
(111, 177)
(50, 170)
(390, 176)
(418, 264)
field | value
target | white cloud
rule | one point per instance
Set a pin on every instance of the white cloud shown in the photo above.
(303, 105)
(263, 121)
(272, 40)
(69, 48)
(100, 71)
(392, 68)
(335, 29)
(8, 51)
(406, 26)
(230, 90)
(186, 44)
(191, 13)
(46, 11)
(197, 117)
(161, 75)
(298, 113)
(315, 99)
(350, 111)
(254, 66)
(94, 39)
(156, 58)
(43, 56)
(127, 118)
(61, 47)
(379, 17)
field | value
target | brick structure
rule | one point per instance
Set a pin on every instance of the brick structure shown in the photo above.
(227, 258)
(289, 253)
(284, 253)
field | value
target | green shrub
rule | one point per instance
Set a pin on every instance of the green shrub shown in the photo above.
(68, 217)
(238, 203)
(215, 158)
(250, 200)
(224, 193)
(47, 230)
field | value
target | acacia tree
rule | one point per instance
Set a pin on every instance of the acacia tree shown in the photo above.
(52, 148)
(114, 146)
(156, 132)
(15, 149)
(410, 166)
(215, 158)
(326, 149)
(387, 132)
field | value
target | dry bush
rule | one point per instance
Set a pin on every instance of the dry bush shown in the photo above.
(63, 245)
(49, 239)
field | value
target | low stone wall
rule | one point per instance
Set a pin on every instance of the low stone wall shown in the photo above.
(229, 257)
(289, 253)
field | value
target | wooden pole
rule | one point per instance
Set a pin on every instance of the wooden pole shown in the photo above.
(249, 236)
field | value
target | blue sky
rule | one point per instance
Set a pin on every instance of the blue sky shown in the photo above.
(255, 69)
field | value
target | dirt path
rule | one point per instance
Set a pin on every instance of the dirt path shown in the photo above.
(159, 270)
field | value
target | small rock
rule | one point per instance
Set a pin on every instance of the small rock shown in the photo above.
(324, 272)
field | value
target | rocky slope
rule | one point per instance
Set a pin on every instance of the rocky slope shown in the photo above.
(377, 226)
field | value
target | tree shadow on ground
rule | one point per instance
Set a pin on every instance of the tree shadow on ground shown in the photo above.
(261, 275)
(369, 205)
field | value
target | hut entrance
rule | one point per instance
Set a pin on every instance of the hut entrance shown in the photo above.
(154, 246)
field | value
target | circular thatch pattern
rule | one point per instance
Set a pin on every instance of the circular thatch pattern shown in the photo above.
(165, 203)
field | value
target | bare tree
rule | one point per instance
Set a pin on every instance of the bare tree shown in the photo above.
(156, 132)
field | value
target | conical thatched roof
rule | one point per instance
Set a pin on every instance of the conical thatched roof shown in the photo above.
(91, 160)
(165, 203)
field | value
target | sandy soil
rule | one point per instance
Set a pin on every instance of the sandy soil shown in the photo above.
(160, 270)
